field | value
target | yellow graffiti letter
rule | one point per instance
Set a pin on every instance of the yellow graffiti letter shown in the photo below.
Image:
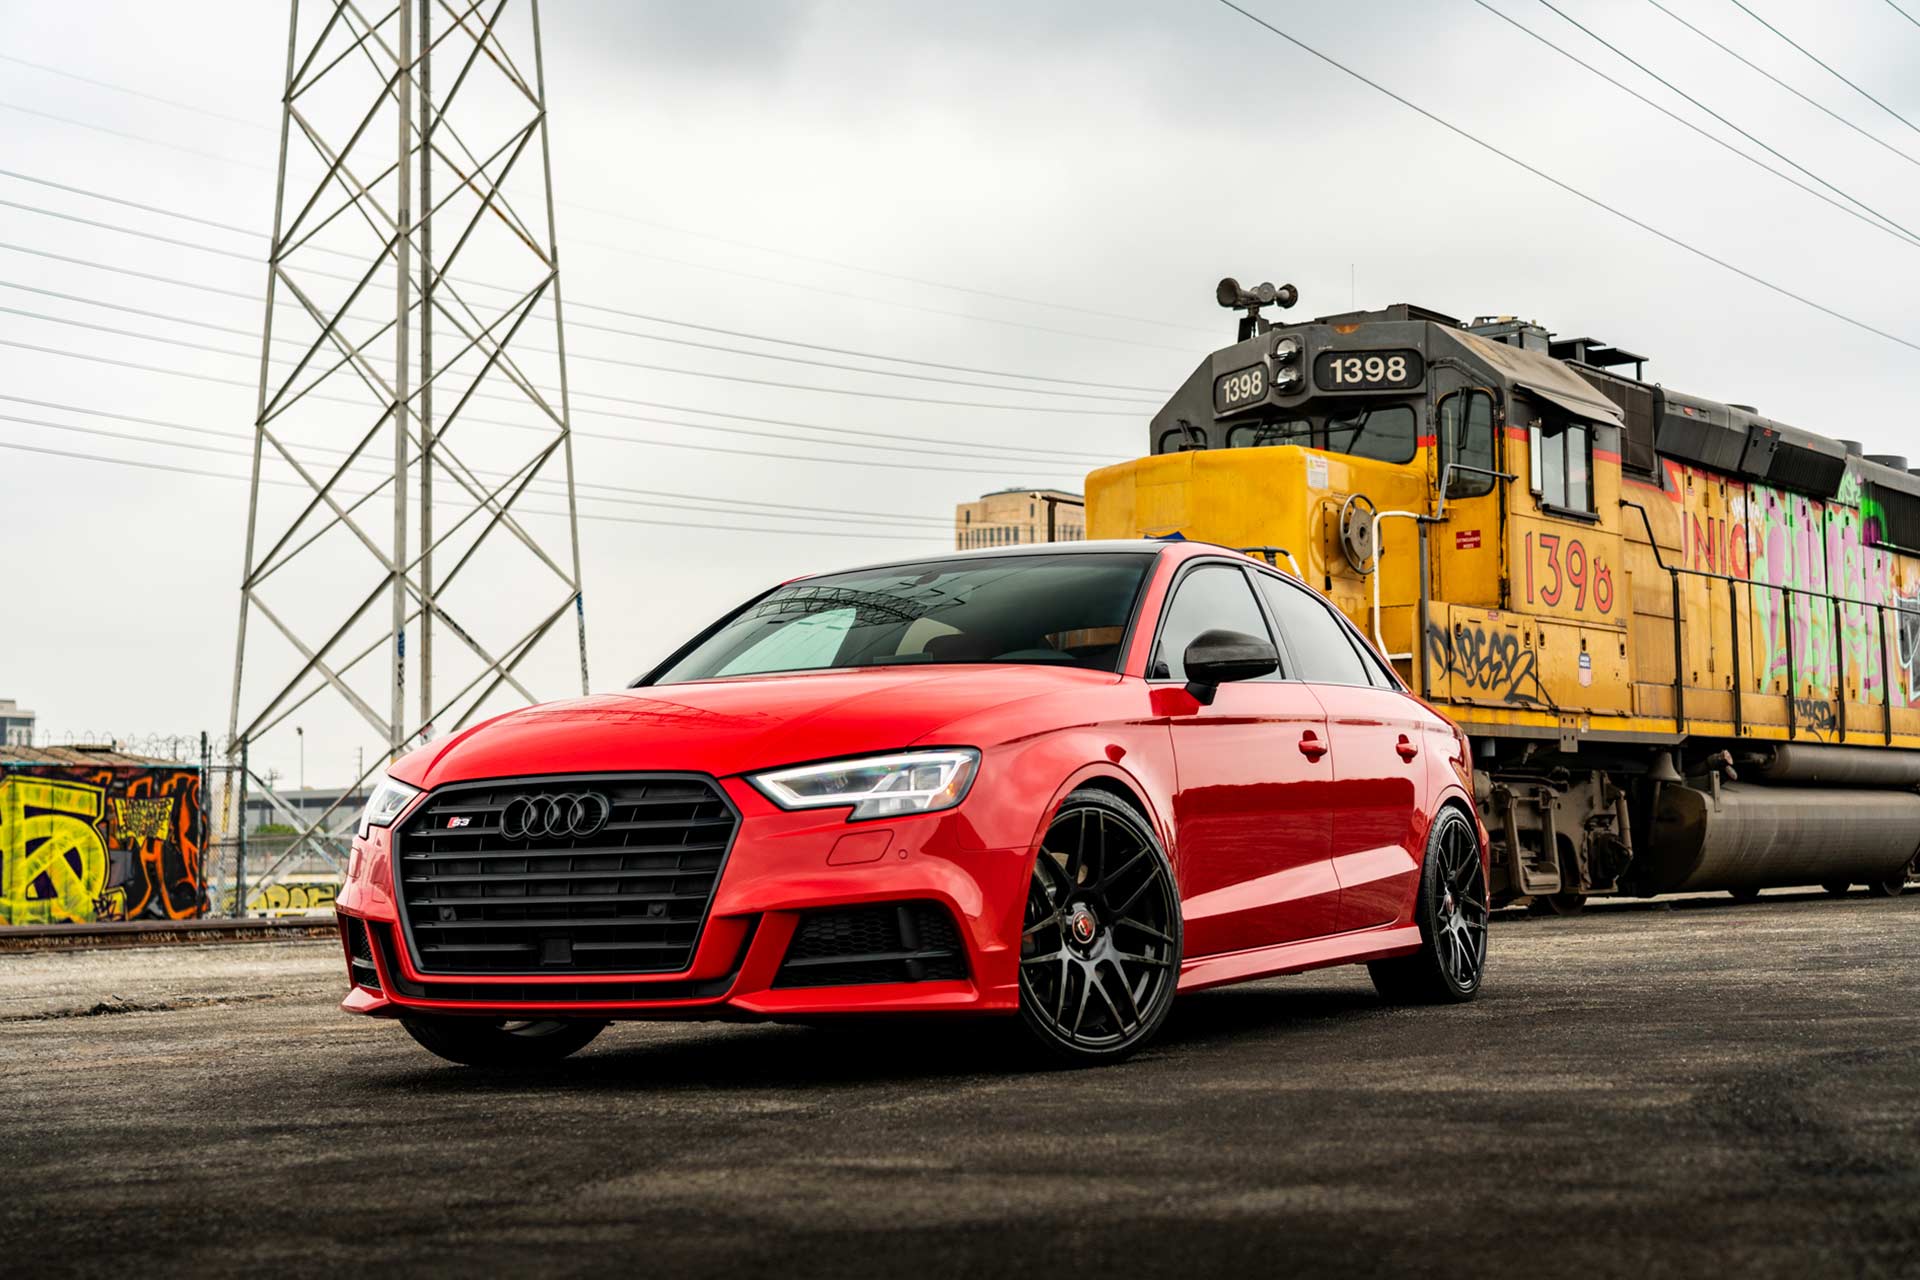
(46, 830)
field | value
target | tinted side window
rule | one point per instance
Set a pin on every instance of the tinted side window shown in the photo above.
(1321, 648)
(1213, 596)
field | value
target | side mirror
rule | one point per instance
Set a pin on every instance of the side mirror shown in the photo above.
(1220, 657)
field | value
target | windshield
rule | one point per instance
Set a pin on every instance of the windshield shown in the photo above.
(1386, 433)
(1060, 610)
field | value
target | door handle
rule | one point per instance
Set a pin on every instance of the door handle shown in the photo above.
(1310, 745)
(1406, 749)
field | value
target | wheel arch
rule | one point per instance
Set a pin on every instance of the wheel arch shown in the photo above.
(1114, 781)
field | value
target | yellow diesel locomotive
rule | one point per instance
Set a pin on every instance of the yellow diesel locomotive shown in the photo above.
(1684, 638)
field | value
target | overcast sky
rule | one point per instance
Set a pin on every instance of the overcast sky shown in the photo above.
(1111, 158)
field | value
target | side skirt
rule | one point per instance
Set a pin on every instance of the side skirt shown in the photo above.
(1296, 957)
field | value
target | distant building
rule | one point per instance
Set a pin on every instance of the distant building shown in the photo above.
(1010, 517)
(16, 726)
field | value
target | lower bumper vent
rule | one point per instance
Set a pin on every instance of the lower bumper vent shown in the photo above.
(582, 993)
(360, 966)
(854, 946)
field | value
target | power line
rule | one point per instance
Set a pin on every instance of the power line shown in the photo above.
(697, 266)
(1812, 102)
(132, 137)
(875, 271)
(129, 271)
(763, 279)
(892, 445)
(878, 517)
(594, 435)
(741, 244)
(1680, 119)
(1041, 454)
(1770, 150)
(1824, 67)
(137, 93)
(1595, 201)
(1903, 13)
(535, 511)
(657, 368)
(481, 284)
(815, 516)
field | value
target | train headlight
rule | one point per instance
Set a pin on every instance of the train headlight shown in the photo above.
(1286, 350)
(1285, 378)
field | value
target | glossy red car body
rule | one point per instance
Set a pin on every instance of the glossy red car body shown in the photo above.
(1295, 817)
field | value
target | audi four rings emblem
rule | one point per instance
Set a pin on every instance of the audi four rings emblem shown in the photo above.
(575, 814)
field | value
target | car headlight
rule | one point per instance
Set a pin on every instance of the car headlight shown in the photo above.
(876, 786)
(384, 805)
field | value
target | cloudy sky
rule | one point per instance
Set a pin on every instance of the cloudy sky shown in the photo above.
(1020, 188)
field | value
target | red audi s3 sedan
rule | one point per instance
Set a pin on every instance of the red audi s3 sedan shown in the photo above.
(1057, 783)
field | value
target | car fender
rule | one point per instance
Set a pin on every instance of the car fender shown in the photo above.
(1112, 772)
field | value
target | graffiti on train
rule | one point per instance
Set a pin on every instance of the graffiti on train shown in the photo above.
(1826, 598)
(1488, 661)
(80, 843)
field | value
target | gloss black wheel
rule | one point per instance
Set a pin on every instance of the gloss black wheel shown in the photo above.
(1452, 913)
(1100, 947)
(500, 1042)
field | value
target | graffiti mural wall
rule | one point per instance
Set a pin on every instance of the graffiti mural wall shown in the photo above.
(100, 841)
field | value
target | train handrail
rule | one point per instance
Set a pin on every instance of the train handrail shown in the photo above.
(1420, 521)
(1268, 554)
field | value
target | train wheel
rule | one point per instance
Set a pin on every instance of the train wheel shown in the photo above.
(1558, 904)
(1745, 893)
(1836, 888)
(1892, 887)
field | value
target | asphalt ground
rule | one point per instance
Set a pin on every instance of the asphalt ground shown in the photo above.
(1703, 1088)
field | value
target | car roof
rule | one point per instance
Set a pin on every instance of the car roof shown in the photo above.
(1150, 546)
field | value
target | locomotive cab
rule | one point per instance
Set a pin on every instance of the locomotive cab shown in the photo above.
(1626, 596)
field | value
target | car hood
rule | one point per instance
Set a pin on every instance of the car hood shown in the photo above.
(723, 727)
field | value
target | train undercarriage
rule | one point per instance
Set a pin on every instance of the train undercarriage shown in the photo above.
(1705, 815)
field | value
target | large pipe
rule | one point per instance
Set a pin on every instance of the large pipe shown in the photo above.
(1751, 836)
(1829, 766)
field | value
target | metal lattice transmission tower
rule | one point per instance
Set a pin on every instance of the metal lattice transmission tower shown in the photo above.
(413, 464)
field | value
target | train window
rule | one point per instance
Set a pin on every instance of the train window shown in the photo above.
(1563, 465)
(1260, 435)
(1181, 438)
(1466, 425)
(1386, 434)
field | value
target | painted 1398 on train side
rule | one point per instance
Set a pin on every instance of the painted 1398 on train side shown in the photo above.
(1684, 637)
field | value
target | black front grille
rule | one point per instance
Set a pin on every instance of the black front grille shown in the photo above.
(360, 963)
(628, 894)
(851, 946)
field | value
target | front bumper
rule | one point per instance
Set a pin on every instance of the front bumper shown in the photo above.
(782, 866)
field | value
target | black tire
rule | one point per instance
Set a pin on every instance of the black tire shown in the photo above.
(1452, 913)
(496, 1042)
(1836, 888)
(1101, 939)
(1745, 893)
